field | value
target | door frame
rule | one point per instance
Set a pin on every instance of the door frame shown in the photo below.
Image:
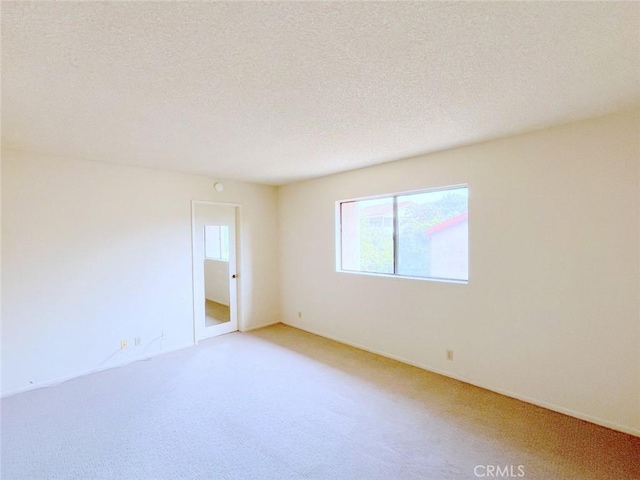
(238, 244)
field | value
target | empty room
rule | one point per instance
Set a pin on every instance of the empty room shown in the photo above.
(320, 240)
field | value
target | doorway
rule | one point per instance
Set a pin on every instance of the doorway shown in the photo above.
(215, 243)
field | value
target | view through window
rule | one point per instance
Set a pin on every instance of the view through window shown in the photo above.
(216, 242)
(418, 234)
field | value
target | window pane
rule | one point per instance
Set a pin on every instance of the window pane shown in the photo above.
(367, 235)
(433, 238)
(212, 241)
(216, 242)
(224, 242)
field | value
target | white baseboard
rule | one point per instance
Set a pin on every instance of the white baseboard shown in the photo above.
(256, 327)
(534, 401)
(60, 380)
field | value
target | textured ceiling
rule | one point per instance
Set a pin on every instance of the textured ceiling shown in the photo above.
(278, 92)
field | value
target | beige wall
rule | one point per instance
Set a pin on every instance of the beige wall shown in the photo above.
(94, 253)
(551, 311)
(216, 281)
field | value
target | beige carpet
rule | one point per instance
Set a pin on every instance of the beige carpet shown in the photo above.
(279, 403)
(216, 313)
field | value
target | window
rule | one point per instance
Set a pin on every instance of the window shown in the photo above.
(417, 234)
(216, 242)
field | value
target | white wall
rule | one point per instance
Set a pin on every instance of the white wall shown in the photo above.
(216, 281)
(94, 253)
(551, 311)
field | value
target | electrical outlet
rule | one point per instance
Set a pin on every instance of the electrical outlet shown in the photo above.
(123, 344)
(138, 341)
(299, 314)
(450, 355)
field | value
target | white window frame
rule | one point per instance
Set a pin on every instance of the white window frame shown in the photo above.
(338, 234)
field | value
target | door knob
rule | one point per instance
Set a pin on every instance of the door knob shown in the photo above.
(234, 276)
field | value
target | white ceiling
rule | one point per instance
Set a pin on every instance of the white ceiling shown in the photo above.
(284, 91)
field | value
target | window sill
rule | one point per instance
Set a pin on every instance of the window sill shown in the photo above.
(406, 277)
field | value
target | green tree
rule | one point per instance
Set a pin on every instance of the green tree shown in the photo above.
(376, 248)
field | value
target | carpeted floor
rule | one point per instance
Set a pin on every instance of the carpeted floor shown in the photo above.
(279, 403)
(216, 313)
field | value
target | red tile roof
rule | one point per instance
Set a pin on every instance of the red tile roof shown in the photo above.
(447, 223)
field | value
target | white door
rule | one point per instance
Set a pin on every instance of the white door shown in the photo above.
(215, 275)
